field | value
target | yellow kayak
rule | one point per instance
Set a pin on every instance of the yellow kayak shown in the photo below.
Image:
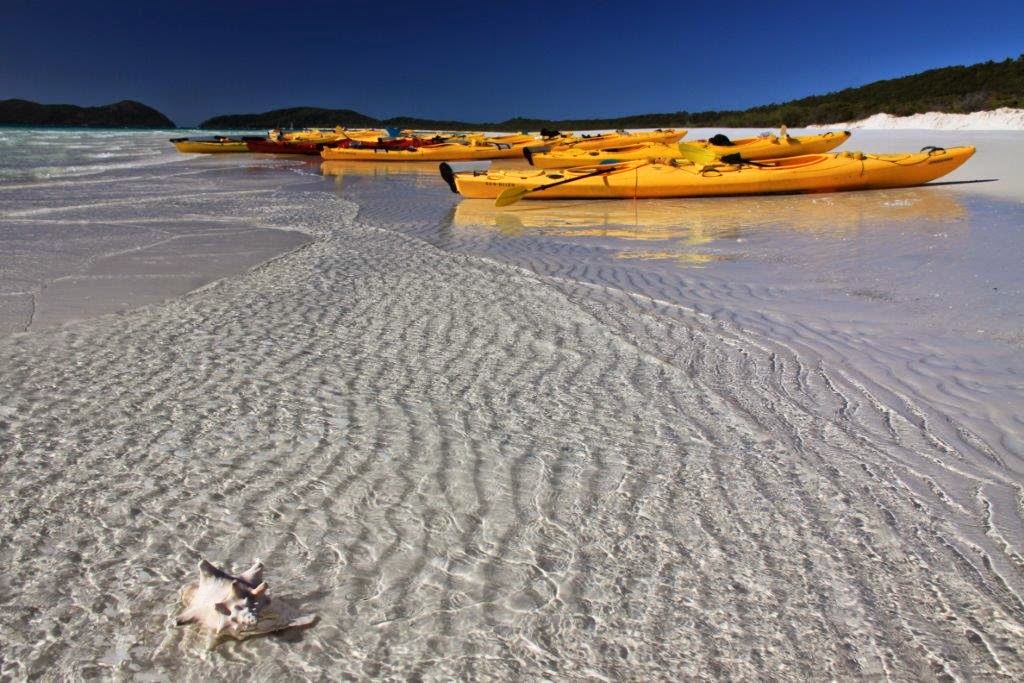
(373, 134)
(682, 178)
(768, 147)
(774, 146)
(333, 134)
(510, 139)
(474, 150)
(214, 145)
(618, 139)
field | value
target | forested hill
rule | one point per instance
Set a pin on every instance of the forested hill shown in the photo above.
(124, 114)
(314, 117)
(954, 89)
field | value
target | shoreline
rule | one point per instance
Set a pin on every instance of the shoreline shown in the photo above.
(100, 282)
(1003, 118)
(189, 256)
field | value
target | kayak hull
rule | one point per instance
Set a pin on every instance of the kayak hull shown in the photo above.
(446, 151)
(638, 179)
(327, 136)
(770, 147)
(618, 139)
(511, 139)
(777, 147)
(481, 147)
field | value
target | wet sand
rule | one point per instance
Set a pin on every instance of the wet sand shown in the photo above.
(178, 259)
(487, 447)
(79, 248)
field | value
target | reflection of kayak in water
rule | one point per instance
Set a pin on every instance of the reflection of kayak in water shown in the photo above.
(217, 144)
(668, 219)
(691, 231)
(369, 168)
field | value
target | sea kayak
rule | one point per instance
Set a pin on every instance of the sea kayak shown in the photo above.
(214, 145)
(767, 147)
(474, 150)
(332, 134)
(682, 178)
(265, 146)
(510, 139)
(616, 139)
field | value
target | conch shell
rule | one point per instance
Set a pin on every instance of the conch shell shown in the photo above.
(237, 607)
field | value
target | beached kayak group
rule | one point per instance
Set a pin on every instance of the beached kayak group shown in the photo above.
(618, 165)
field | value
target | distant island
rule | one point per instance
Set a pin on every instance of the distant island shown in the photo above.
(124, 114)
(953, 89)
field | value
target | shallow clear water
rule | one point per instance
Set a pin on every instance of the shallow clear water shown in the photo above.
(652, 440)
(81, 239)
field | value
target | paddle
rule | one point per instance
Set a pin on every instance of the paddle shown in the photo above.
(513, 194)
(448, 175)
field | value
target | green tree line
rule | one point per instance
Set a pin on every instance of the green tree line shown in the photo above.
(953, 89)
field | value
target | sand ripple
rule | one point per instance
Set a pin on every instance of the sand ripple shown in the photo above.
(473, 468)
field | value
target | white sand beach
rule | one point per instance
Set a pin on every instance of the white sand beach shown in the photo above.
(666, 440)
(1004, 118)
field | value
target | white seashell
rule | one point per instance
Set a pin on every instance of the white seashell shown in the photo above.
(235, 606)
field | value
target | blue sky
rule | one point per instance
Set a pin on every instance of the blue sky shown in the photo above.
(480, 61)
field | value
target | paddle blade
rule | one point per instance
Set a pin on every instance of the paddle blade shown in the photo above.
(449, 176)
(511, 195)
(697, 155)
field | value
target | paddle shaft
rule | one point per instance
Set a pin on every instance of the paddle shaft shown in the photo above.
(513, 194)
(600, 171)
